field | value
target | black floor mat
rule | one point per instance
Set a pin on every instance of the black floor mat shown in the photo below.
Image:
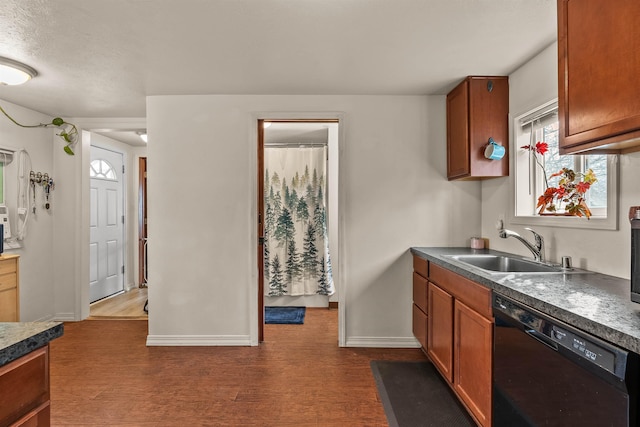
(414, 394)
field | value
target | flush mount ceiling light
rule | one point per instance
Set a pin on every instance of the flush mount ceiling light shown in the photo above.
(142, 135)
(14, 72)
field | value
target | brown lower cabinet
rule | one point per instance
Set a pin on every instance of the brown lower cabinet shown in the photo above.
(440, 331)
(473, 345)
(459, 337)
(420, 273)
(24, 390)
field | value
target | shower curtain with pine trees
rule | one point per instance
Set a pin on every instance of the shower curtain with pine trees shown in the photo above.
(296, 249)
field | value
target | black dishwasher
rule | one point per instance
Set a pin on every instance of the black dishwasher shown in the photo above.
(547, 373)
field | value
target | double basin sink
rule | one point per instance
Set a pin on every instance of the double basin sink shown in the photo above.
(494, 264)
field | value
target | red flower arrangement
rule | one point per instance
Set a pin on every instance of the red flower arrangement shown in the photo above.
(568, 196)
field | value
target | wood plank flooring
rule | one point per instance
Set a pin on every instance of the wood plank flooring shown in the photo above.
(102, 374)
(127, 305)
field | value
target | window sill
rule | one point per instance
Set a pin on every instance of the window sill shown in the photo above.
(594, 223)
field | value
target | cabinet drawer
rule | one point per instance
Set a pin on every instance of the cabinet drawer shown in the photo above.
(420, 326)
(8, 281)
(420, 285)
(472, 294)
(421, 266)
(24, 385)
(8, 266)
(40, 417)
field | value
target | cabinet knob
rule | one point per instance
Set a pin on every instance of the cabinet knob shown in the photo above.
(490, 85)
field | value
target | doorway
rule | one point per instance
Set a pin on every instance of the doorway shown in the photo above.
(106, 224)
(300, 157)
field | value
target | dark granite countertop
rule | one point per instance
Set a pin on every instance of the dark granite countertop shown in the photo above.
(20, 338)
(595, 303)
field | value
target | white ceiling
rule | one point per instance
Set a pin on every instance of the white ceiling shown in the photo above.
(100, 59)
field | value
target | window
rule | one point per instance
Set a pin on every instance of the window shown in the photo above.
(101, 169)
(542, 125)
(6, 157)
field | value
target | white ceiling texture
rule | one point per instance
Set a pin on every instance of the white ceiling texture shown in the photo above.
(100, 59)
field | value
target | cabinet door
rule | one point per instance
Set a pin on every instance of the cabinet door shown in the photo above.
(458, 132)
(473, 338)
(440, 330)
(9, 305)
(599, 89)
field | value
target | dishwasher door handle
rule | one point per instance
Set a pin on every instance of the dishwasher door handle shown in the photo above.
(542, 338)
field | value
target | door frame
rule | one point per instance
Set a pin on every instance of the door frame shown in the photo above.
(256, 302)
(79, 262)
(142, 217)
(123, 184)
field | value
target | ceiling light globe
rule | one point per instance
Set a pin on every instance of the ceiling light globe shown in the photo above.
(14, 72)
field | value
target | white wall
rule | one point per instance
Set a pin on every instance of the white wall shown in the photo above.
(598, 250)
(202, 212)
(36, 265)
(53, 262)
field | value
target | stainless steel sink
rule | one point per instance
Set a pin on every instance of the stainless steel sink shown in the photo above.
(507, 264)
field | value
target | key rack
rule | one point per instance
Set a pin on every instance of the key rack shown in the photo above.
(44, 180)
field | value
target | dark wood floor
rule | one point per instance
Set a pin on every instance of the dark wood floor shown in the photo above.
(102, 374)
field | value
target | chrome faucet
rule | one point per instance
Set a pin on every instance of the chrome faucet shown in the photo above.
(537, 250)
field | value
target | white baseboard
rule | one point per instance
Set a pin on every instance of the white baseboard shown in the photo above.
(198, 340)
(382, 342)
(64, 317)
(49, 318)
(130, 287)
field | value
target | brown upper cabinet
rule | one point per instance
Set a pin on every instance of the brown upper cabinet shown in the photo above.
(598, 75)
(477, 110)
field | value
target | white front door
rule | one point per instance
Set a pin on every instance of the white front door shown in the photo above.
(106, 275)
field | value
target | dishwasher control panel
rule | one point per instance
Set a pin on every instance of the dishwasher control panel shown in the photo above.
(584, 347)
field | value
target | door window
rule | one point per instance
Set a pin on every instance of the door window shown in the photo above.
(102, 169)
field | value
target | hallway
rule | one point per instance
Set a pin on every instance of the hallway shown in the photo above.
(126, 305)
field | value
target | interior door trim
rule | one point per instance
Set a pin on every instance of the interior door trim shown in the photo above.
(142, 217)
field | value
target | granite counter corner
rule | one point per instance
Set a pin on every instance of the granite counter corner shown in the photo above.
(20, 338)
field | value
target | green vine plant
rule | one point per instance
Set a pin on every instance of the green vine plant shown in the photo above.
(68, 131)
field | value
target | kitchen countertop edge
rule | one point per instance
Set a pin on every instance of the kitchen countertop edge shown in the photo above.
(20, 338)
(619, 325)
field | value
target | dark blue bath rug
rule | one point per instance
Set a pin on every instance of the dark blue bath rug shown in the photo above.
(284, 315)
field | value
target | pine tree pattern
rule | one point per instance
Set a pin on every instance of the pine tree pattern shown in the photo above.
(267, 259)
(310, 253)
(323, 283)
(277, 287)
(296, 243)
